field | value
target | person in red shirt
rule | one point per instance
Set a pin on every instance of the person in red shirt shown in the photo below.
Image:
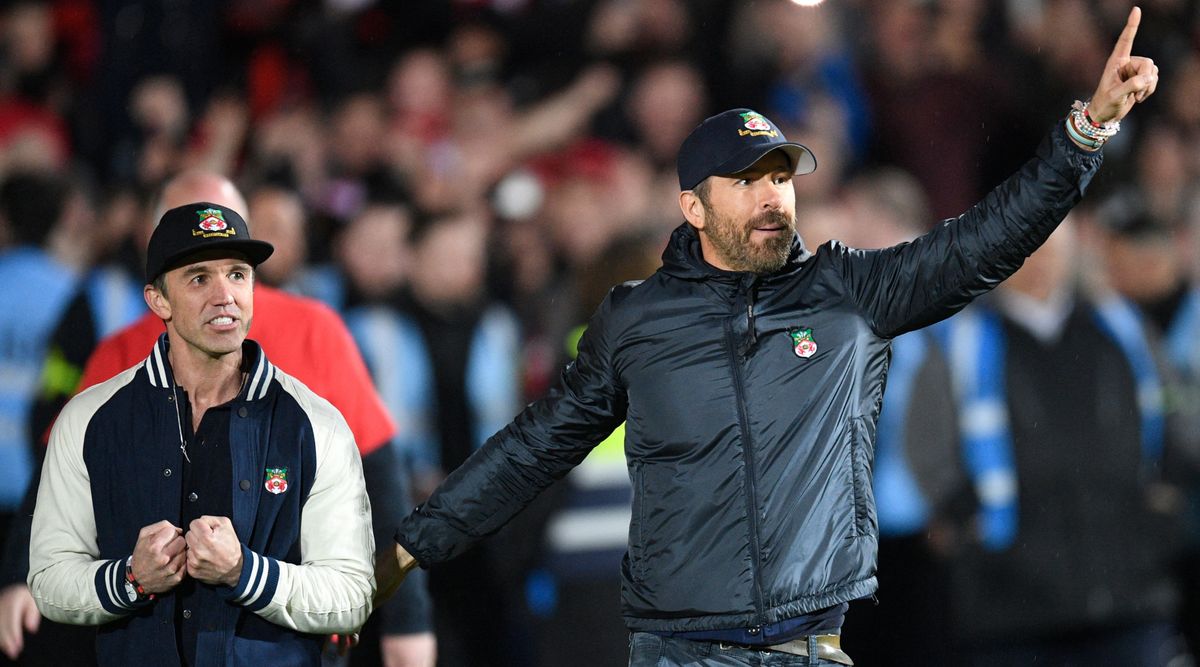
(308, 340)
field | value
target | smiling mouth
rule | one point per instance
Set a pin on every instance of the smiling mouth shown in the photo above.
(222, 321)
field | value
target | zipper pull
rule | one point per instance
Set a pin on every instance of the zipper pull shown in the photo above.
(750, 323)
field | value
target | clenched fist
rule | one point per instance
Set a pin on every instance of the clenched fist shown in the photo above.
(214, 554)
(159, 557)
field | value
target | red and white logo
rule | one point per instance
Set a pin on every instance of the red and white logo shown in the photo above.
(212, 220)
(213, 224)
(757, 123)
(803, 343)
(276, 480)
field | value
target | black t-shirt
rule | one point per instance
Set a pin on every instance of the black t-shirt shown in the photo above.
(207, 490)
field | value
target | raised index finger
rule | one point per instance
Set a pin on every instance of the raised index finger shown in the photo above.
(1125, 42)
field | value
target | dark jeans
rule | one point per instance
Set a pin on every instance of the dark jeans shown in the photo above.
(649, 650)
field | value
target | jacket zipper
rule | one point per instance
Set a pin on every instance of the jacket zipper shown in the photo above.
(747, 455)
(750, 320)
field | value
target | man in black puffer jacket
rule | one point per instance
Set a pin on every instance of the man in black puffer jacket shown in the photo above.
(750, 372)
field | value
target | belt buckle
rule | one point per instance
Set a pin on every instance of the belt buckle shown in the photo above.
(828, 647)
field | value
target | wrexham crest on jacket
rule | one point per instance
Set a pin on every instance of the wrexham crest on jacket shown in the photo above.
(802, 342)
(277, 480)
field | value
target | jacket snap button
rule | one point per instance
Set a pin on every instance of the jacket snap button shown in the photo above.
(187, 613)
(245, 484)
(192, 497)
(166, 472)
(242, 411)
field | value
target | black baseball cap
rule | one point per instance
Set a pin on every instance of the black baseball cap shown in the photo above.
(187, 230)
(732, 141)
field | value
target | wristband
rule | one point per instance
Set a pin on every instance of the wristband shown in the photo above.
(1081, 124)
(1079, 138)
(132, 588)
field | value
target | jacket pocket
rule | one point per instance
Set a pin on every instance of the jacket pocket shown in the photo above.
(637, 522)
(861, 455)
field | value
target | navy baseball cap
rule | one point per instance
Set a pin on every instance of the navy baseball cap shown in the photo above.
(187, 230)
(732, 141)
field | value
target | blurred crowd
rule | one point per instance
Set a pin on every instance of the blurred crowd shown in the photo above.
(463, 180)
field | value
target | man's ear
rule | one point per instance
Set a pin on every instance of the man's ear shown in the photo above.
(157, 302)
(693, 208)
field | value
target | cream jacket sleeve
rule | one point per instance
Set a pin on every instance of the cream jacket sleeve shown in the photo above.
(69, 582)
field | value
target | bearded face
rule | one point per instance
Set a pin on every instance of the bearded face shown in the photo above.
(746, 220)
(760, 245)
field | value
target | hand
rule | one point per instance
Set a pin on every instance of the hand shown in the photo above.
(418, 650)
(1126, 80)
(214, 553)
(18, 615)
(390, 569)
(160, 557)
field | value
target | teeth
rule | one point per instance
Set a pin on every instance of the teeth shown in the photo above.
(222, 320)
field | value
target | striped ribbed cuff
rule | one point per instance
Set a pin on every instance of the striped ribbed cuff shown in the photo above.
(256, 587)
(110, 588)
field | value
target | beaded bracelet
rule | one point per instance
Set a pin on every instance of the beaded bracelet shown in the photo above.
(1084, 125)
(133, 583)
(1078, 137)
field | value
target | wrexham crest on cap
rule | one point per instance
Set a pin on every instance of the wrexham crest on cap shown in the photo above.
(756, 126)
(212, 223)
(277, 480)
(802, 342)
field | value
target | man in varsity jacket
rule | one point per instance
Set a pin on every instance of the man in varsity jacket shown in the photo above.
(203, 507)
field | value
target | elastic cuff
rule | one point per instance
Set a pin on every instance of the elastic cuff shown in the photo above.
(110, 588)
(408, 547)
(256, 587)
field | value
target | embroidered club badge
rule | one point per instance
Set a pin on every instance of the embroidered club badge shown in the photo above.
(212, 220)
(212, 223)
(802, 342)
(276, 480)
(756, 122)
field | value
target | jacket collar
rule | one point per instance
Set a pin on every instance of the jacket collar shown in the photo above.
(684, 259)
(254, 362)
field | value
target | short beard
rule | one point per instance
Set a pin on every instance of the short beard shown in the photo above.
(733, 244)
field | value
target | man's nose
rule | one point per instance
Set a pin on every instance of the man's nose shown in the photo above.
(223, 293)
(769, 196)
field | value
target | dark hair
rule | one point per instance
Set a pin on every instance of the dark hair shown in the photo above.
(32, 204)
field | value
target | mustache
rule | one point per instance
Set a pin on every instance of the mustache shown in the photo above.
(771, 218)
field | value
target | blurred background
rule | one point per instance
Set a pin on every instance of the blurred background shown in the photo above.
(471, 176)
